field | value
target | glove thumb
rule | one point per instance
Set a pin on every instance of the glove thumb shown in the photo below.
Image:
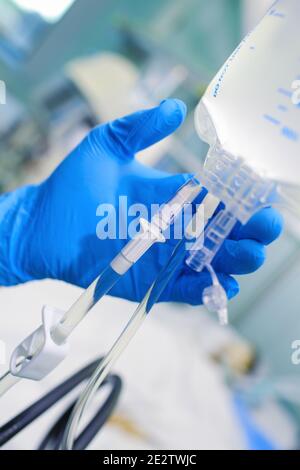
(128, 135)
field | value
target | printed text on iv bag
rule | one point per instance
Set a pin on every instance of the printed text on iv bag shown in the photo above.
(296, 93)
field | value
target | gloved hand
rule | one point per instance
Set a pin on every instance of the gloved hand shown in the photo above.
(49, 230)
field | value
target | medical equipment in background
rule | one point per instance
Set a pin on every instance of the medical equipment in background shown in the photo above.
(249, 117)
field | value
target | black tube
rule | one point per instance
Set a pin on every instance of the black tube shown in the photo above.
(54, 437)
(26, 417)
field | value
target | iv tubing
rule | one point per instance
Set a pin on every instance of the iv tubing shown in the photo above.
(211, 203)
(128, 256)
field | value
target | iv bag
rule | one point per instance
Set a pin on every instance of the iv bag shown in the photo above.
(251, 109)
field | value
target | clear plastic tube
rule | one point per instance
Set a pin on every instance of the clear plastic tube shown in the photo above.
(7, 381)
(84, 303)
(215, 298)
(153, 294)
(101, 373)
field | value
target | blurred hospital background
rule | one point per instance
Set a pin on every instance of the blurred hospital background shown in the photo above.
(188, 383)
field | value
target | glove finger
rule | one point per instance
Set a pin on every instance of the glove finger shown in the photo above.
(265, 226)
(130, 134)
(240, 257)
(188, 287)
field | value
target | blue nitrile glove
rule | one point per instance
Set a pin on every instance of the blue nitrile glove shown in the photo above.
(49, 230)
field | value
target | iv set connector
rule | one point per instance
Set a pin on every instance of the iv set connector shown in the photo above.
(153, 232)
(243, 192)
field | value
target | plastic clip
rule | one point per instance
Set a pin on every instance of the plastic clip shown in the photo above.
(39, 354)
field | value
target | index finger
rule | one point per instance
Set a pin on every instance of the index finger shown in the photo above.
(265, 226)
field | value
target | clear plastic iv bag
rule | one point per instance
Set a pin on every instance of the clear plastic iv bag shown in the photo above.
(251, 109)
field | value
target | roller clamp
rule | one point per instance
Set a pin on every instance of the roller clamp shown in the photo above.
(39, 354)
